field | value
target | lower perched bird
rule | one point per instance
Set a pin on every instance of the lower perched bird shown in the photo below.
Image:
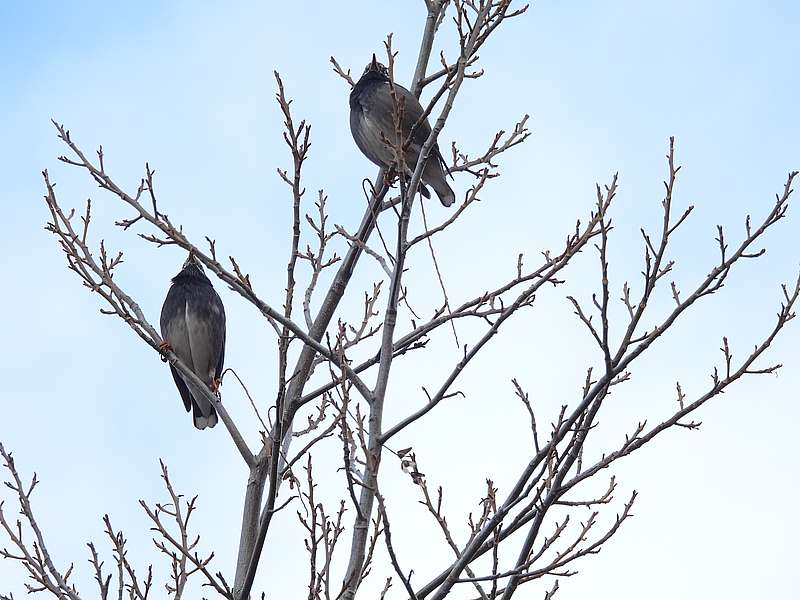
(193, 326)
(372, 123)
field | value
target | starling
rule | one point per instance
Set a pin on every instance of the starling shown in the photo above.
(193, 326)
(372, 123)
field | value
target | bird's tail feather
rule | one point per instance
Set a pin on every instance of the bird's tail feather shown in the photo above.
(203, 412)
(443, 162)
(422, 188)
(435, 177)
(202, 421)
(444, 191)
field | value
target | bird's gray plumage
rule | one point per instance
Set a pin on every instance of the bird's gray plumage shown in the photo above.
(372, 122)
(193, 324)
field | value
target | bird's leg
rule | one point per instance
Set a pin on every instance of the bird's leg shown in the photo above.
(163, 348)
(388, 176)
(215, 383)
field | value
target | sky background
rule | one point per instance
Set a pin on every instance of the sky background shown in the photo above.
(188, 87)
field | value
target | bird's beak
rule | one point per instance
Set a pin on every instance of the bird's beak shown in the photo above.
(191, 260)
(374, 64)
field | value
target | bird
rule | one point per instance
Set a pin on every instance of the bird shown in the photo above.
(372, 124)
(193, 327)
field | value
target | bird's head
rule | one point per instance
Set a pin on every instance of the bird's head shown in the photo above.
(193, 261)
(192, 268)
(374, 74)
(375, 70)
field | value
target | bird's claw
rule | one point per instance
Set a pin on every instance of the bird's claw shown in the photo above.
(215, 383)
(163, 348)
(389, 177)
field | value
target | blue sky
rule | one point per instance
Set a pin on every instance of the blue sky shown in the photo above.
(188, 86)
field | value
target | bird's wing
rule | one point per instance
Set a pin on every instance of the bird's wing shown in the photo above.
(377, 111)
(378, 108)
(174, 331)
(218, 335)
(171, 309)
(413, 111)
(367, 135)
(173, 324)
(186, 395)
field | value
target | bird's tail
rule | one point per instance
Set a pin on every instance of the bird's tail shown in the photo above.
(201, 420)
(435, 177)
(446, 194)
(203, 412)
(421, 187)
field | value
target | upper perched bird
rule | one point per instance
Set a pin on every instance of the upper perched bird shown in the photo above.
(371, 114)
(193, 326)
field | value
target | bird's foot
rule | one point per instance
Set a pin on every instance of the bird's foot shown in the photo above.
(389, 177)
(215, 383)
(163, 347)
